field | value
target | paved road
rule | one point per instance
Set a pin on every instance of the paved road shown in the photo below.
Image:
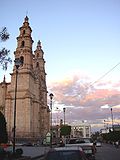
(108, 152)
(32, 151)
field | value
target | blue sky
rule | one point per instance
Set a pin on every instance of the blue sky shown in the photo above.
(79, 38)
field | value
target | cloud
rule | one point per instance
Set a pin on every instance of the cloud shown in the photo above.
(84, 101)
(105, 106)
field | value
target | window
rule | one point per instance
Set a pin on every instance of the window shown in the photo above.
(37, 55)
(22, 60)
(37, 65)
(22, 44)
(23, 31)
(64, 155)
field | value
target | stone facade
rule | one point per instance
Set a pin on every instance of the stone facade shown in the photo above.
(32, 112)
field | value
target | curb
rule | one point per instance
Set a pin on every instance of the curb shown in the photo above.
(34, 158)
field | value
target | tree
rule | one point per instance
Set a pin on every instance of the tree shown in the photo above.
(112, 136)
(96, 136)
(65, 130)
(3, 130)
(4, 53)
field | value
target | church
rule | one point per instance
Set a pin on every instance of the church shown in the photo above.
(27, 90)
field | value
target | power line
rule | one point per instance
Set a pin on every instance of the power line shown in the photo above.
(92, 83)
(104, 74)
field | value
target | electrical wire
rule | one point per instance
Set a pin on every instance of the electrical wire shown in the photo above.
(104, 75)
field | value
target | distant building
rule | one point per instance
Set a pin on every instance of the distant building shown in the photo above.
(104, 130)
(116, 127)
(32, 112)
(81, 130)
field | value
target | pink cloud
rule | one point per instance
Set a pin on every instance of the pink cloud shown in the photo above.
(87, 101)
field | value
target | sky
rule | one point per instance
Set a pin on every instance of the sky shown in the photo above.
(81, 44)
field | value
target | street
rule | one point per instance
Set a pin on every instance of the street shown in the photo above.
(107, 152)
(31, 151)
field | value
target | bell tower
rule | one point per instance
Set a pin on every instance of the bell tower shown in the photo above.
(32, 112)
(40, 76)
(24, 45)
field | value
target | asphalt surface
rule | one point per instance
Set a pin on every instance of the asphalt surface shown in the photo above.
(108, 152)
(31, 151)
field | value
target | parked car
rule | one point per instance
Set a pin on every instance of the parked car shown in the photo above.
(89, 150)
(86, 144)
(63, 153)
(79, 140)
(98, 144)
(61, 143)
(27, 144)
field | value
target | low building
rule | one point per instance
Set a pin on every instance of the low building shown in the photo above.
(116, 127)
(81, 130)
(104, 130)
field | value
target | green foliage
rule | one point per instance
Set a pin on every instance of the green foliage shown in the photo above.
(65, 130)
(111, 136)
(95, 136)
(4, 53)
(3, 130)
(4, 35)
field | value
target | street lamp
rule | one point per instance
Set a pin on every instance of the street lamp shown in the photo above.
(104, 123)
(51, 98)
(112, 119)
(64, 114)
(18, 62)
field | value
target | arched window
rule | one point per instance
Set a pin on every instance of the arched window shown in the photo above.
(22, 44)
(37, 55)
(37, 65)
(22, 60)
(23, 31)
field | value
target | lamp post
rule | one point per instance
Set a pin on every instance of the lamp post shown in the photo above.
(112, 119)
(18, 62)
(51, 98)
(64, 109)
(104, 123)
